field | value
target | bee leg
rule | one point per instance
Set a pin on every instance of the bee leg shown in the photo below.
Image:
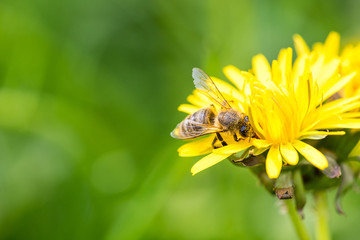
(221, 139)
(213, 143)
(236, 138)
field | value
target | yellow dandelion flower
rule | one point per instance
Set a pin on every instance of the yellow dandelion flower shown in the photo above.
(285, 103)
(350, 61)
(288, 105)
(326, 51)
(349, 58)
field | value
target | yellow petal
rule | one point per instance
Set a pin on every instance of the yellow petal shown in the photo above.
(303, 94)
(261, 68)
(198, 99)
(234, 148)
(338, 123)
(254, 121)
(314, 156)
(300, 65)
(276, 72)
(336, 106)
(226, 88)
(188, 108)
(343, 108)
(285, 63)
(289, 154)
(235, 76)
(317, 135)
(332, 44)
(196, 148)
(310, 133)
(257, 151)
(273, 162)
(258, 143)
(317, 65)
(351, 115)
(300, 45)
(208, 161)
(328, 70)
(332, 88)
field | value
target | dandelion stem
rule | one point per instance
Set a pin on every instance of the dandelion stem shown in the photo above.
(322, 228)
(296, 220)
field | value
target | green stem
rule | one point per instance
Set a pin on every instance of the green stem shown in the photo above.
(296, 220)
(322, 228)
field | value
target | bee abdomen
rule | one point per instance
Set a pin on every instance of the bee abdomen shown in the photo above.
(195, 124)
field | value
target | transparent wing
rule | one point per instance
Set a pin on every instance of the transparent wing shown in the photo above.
(196, 130)
(204, 83)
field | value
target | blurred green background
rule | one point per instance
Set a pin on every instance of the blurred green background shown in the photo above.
(88, 97)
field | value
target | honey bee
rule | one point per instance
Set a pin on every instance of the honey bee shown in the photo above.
(208, 120)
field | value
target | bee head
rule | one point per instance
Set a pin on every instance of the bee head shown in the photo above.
(245, 128)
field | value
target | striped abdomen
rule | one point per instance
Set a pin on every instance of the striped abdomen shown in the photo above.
(197, 124)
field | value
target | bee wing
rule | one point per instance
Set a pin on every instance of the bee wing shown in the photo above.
(204, 83)
(197, 130)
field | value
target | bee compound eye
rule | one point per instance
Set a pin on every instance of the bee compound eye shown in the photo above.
(246, 118)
